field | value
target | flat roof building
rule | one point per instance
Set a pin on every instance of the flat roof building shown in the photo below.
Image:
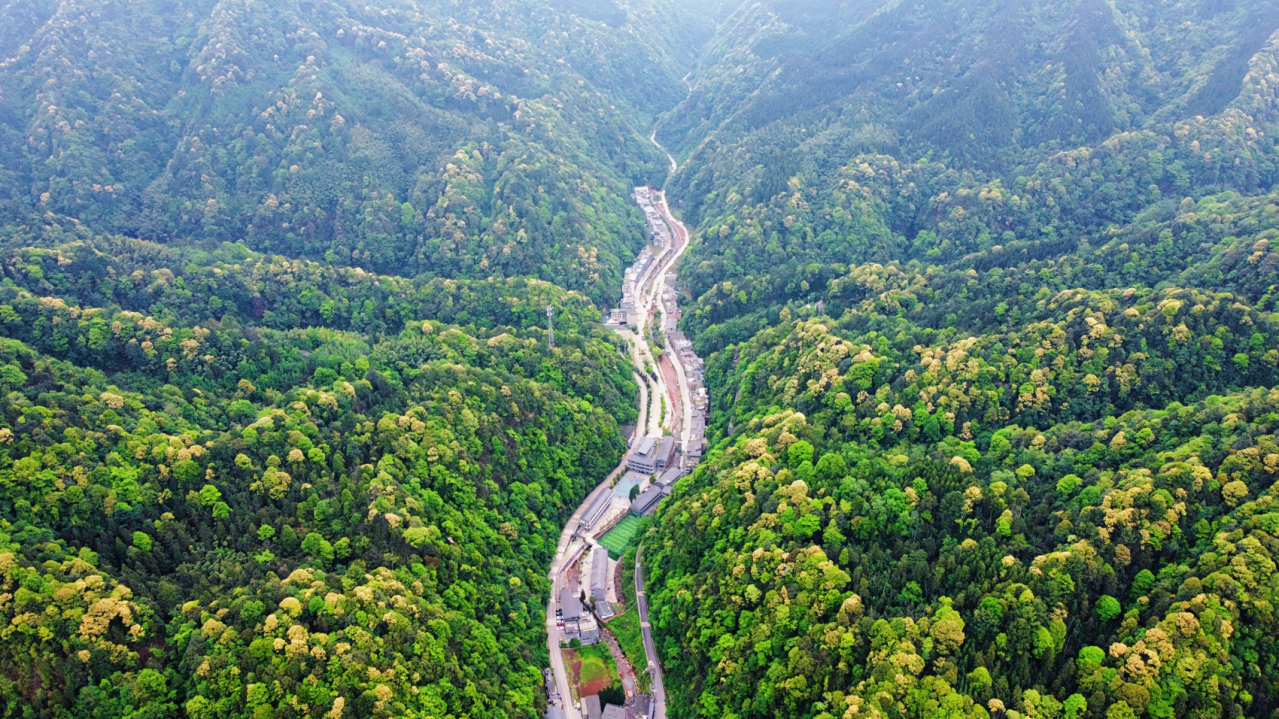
(664, 449)
(651, 455)
(613, 711)
(570, 604)
(599, 582)
(588, 630)
(669, 476)
(591, 707)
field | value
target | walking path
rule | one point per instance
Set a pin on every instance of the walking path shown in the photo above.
(650, 649)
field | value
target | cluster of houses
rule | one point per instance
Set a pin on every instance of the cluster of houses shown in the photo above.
(640, 708)
(593, 710)
(627, 313)
(654, 464)
(653, 457)
(578, 621)
(694, 368)
(657, 227)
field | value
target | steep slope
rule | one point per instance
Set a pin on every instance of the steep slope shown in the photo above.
(318, 496)
(439, 139)
(987, 291)
(280, 431)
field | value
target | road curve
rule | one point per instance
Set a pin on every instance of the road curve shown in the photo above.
(651, 390)
(565, 554)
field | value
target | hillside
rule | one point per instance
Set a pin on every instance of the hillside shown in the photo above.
(281, 434)
(987, 291)
(415, 139)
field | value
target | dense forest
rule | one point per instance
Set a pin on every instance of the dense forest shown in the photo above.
(274, 514)
(988, 294)
(437, 138)
(281, 432)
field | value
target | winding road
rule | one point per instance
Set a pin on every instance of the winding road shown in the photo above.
(652, 389)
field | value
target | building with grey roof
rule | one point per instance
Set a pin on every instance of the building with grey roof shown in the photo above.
(595, 512)
(667, 478)
(570, 612)
(570, 604)
(599, 582)
(651, 455)
(613, 711)
(664, 450)
(647, 501)
(599, 573)
(591, 707)
(643, 456)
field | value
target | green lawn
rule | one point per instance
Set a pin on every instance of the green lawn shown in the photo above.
(594, 670)
(616, 539)
(627, 630)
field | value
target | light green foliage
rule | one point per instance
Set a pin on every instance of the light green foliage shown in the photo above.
(1108, 608)
(617, 539)
(1040, 333)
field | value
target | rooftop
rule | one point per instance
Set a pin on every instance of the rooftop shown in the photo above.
(645, 446)
(597, 509)
(669, 476)
(570, 603)
(647, 500)
(599, 573)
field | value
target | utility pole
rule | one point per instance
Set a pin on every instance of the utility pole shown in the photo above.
(550, 326)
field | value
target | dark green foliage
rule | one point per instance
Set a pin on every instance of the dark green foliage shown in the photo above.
(1021, 457)
(411, 138)
(303, 451)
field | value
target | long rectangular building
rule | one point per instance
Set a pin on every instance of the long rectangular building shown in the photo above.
(596, 511)
(599, 582)
(647, 501)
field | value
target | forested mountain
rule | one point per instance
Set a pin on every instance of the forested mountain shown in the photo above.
(279, 512)
(988, 293)
(281, 434)
(438, 138)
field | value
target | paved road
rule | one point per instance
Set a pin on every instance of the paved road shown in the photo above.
(649, 422)
(569, 548)
(681, 240)
(650, 649)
